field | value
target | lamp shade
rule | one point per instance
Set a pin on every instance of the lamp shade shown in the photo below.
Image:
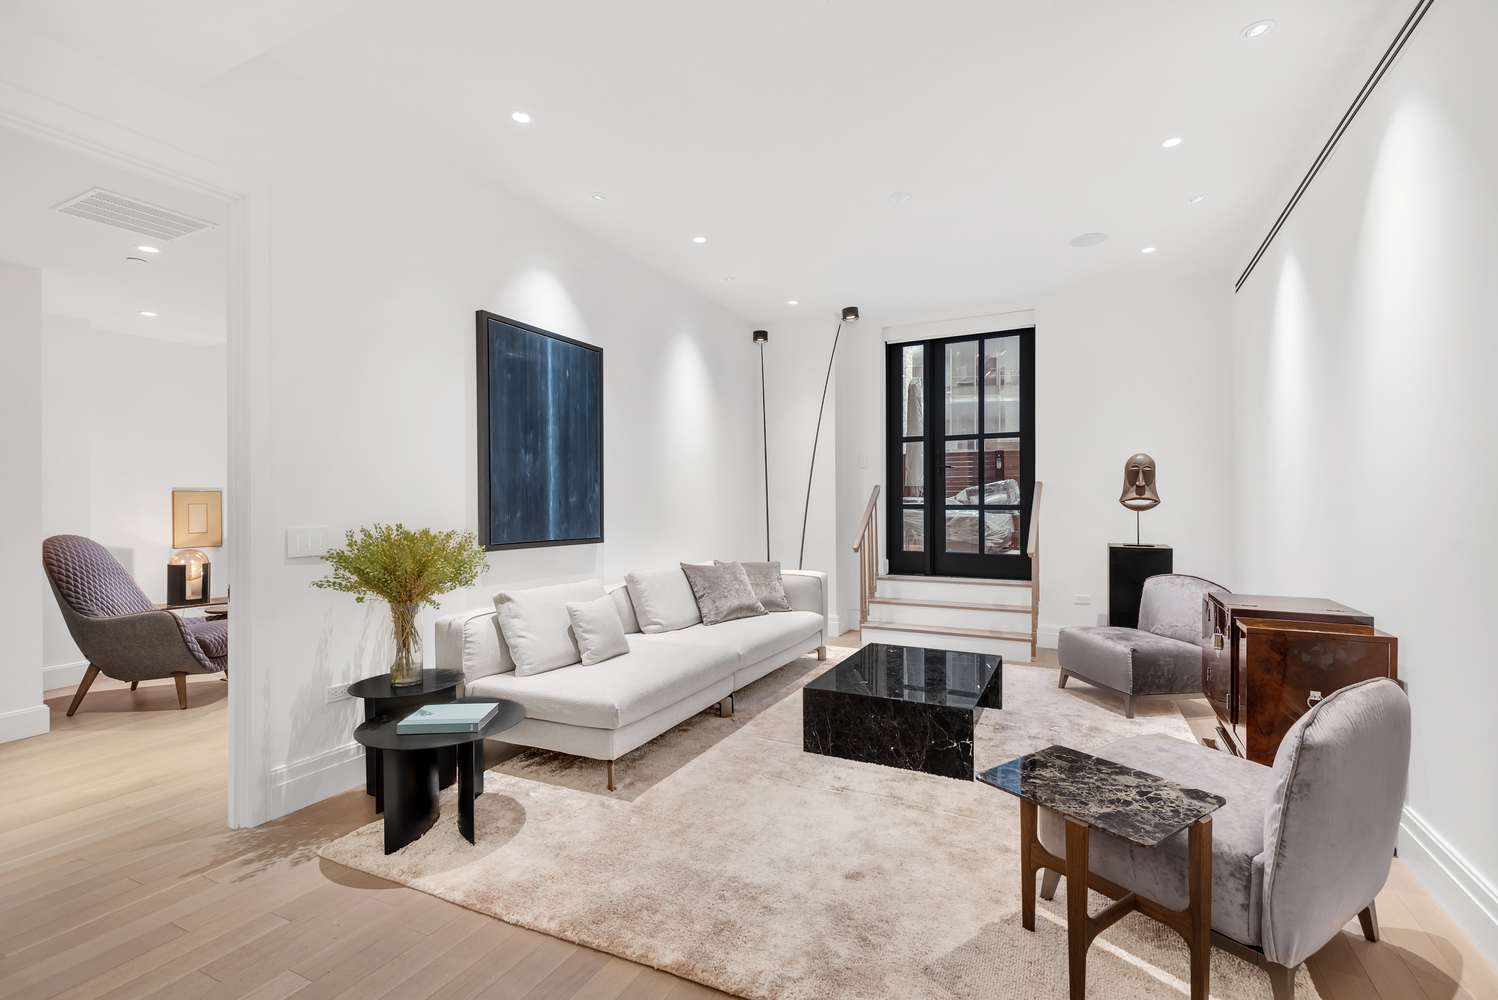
(761, 336)
(187, 579)
(197, 519)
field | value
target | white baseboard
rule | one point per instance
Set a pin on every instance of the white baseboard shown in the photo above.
(1046, 636)
(834, 626)
(25, 722)
(63, 675)
(1463, 892)
(312, 779)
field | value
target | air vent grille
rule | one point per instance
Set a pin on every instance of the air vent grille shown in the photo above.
(136, 216)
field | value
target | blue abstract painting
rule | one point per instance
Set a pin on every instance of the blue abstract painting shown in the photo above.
(541, 437)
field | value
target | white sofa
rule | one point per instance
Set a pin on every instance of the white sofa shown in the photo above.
(605, 710)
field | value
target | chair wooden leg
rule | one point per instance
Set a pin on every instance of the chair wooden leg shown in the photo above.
(1199, 873)
(1048, 882)
(1062, 682)
(181, 690)
(1281, 981)
(611, 775)
(1369, 919)
(1027, 823)
(134, 685)
(1076, 907)
(88, 678)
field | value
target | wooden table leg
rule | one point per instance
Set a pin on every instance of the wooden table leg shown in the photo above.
(1199, 848)
(1027, 810)
(1077, 938)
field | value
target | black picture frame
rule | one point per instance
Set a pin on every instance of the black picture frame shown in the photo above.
(496, 457)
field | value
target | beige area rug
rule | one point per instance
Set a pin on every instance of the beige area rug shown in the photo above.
(731, 857)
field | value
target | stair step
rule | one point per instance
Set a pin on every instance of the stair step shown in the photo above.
(1013, 647)
(973, 633)
(974, 580)
(915, 602)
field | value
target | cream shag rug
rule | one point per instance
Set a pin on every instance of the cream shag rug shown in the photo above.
(731, 857)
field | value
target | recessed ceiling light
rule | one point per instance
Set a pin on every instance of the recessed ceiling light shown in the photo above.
(1257, 28)
(521, 117)
(730, 278)
(1174, 140)
(699, 239)
(599, 196)
(148, 249)
(1148, 250)
(1089, 239)
(900, 196)
(792, 302)
(1198, 199)
(143, 313)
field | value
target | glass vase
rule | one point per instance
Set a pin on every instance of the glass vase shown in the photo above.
(405, 646)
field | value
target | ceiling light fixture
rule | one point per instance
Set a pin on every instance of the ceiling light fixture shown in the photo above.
(148, 249)
(793, 302)
(1172, 142)
(699, 239)
(599, 196)
(1148, 250)
(1089, 239)
(1257, 29)
(143, 313)
(521, 117)
(1198, 199)
(900, 196)
(730, 278)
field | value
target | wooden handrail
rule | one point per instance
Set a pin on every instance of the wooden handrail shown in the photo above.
(868, 512)
(1034, 547)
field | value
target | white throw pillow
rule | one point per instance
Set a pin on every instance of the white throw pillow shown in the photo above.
(598, 630)
(536, 626)
(663, 599)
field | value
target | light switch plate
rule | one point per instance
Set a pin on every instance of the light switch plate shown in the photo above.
(308, 543)
(1081, 599)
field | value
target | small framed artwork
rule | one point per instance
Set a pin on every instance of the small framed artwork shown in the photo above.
(540, 436)
(197, 519)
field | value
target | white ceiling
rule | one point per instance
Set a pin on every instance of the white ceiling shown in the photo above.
(85, 270)
(778, 129)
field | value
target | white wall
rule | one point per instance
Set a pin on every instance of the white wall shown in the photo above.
(125, 420)
(1364, 357)
(22, 713)
(1120, 368)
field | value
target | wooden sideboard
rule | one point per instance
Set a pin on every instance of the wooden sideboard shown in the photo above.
(1266, 660)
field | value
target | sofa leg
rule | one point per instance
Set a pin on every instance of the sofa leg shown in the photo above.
(134, 685)
(611, 774)
(821, 652)
(1062, 682)
(1048, 882)
(725, 708)
(181, 690)
(1369, 919)
(88, 678)
(1281, 980)
(1128, 707)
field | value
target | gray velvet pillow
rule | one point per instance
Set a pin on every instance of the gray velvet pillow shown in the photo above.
(769, 588)
(723, 592)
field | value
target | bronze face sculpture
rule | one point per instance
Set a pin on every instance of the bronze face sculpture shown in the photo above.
(1139, 484)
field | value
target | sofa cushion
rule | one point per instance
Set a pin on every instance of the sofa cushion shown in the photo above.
(1160, 873)
(620, 593)
(616, 692)
(1128, 660)
(769, 586)
(749, 639)
(536, 626)
(723, 592)
(663, 599)
(597, 629)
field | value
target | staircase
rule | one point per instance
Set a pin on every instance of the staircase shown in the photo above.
(960, 613)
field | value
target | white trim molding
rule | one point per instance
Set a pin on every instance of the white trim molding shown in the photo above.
(63, 675)
(1463, 892)
(22, 723)
(312, 779)
(1047, 636)
(993, 323)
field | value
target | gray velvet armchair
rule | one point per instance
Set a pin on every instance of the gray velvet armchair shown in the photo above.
(1162, 658)
(117, 627)
(1298, 850)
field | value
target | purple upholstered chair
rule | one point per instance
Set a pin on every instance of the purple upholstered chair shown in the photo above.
(118, 629)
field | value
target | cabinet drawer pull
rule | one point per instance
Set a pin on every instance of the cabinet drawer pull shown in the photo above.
(1314, 697)
(1217, 640)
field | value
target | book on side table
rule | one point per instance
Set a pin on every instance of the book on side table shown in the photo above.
(452, 717)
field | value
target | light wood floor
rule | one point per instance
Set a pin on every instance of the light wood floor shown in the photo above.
(120, 880)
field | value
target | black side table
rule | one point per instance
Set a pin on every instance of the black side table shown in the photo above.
(384, 698)
(409, 791)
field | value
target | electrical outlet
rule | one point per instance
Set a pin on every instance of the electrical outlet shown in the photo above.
(1081, 599)
(338, 692)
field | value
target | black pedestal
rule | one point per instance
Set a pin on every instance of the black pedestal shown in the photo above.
(1128, 567)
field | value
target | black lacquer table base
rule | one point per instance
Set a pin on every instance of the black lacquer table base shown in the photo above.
(902, 706)
(412, 783)
(382, 698)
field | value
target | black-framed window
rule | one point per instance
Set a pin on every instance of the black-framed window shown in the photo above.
(961, 454)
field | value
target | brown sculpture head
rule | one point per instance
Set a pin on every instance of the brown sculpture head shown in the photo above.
(1139, 484)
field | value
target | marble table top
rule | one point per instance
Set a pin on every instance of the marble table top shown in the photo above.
(1135, 805)
(914, 674)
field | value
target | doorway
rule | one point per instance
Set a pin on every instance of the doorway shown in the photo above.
(961, 454)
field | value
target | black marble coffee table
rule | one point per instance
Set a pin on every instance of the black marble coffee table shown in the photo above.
(902, 706)
(1145, 809)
